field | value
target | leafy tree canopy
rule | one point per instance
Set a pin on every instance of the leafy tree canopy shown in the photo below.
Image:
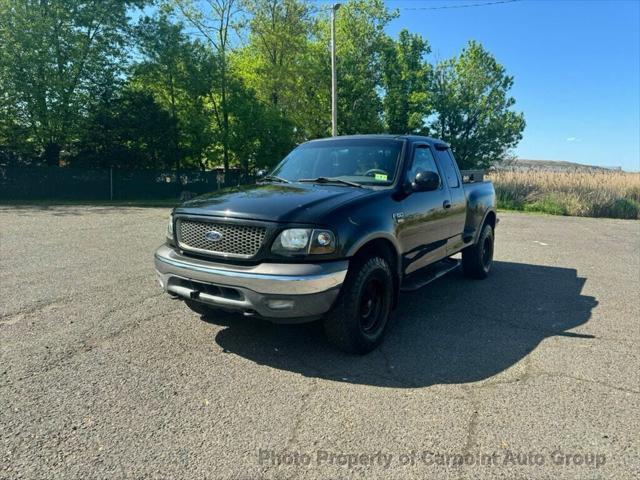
(56, 57)
(472, 108)
(231, 83)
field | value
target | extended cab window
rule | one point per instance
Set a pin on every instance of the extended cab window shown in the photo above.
(422, 160)
(450, 171)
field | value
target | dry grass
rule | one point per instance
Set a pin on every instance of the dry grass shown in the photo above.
(585, 194)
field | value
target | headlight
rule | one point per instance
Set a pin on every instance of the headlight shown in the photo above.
(303, 241)
(295, 239)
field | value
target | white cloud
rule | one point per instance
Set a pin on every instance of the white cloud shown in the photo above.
(573, 139)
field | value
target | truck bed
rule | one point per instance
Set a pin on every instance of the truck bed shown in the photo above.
(481, 197)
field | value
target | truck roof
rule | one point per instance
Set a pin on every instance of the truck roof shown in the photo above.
(390, 136)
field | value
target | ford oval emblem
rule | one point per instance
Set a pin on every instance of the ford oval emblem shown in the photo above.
(213, 235)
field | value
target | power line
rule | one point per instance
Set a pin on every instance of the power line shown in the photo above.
(441, 7)
(464, 5)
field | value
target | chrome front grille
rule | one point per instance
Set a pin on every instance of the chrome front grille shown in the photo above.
(219, 238)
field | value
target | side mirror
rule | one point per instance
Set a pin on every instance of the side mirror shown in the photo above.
(426, 181)
(262, 173)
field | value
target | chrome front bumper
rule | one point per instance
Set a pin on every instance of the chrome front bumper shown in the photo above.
(271, 290)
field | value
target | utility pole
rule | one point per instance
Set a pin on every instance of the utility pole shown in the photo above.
(334, 79)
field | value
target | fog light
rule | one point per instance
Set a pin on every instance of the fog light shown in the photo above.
(280, 304)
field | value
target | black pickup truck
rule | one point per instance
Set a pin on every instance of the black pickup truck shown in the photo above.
(334, 232)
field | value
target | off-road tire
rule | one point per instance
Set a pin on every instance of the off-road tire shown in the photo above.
(478, 258)
(368, 289)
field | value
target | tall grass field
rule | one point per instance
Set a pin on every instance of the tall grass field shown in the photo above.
(612, 194)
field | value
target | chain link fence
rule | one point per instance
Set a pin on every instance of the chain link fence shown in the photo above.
(66, 183)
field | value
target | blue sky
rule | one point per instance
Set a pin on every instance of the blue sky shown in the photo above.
(576, 66)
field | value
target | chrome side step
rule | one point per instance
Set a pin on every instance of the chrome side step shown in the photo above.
(425, 276)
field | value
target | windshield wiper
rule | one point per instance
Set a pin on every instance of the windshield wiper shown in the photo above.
(330, 180)
(273, 178)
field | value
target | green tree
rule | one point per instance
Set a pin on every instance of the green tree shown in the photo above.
(281, 63)
(185, 77)
(261, 134)
(128, 131)
(473, 108)
(177, 72)
(405, 80)
(213, 20)
(360, 42)
(236, 80)
(278, 39)
(55, 57)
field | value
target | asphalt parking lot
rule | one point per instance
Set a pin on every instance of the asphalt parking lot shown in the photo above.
(532, 373)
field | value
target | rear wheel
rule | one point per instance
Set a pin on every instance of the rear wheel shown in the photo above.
(477, 259)
(359, 319)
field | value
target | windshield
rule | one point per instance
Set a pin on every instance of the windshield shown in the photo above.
(363, 161)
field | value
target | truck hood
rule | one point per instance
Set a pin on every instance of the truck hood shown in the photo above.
(297, 202)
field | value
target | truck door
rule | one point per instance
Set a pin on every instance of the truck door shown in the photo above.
(458, 210)
(424, 229)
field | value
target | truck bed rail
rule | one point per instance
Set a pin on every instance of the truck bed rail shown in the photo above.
(472, 176)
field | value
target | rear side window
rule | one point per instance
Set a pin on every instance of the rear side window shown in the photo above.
(422, 160)
(450, 171)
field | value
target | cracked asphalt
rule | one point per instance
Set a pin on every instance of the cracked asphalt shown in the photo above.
(532, 373)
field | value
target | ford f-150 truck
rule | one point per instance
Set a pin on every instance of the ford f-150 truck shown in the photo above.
(334, 232)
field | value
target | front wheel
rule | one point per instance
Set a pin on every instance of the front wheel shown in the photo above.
(477, 259)
(358, 321)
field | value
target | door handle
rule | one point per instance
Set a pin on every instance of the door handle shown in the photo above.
(446, 204)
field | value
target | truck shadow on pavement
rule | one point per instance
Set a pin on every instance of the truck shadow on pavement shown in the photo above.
(455, 330)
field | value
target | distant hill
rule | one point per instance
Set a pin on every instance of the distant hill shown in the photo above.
(551, 165)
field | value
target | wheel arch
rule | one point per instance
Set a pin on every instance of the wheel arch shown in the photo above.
(491, 218)
(388, 249)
